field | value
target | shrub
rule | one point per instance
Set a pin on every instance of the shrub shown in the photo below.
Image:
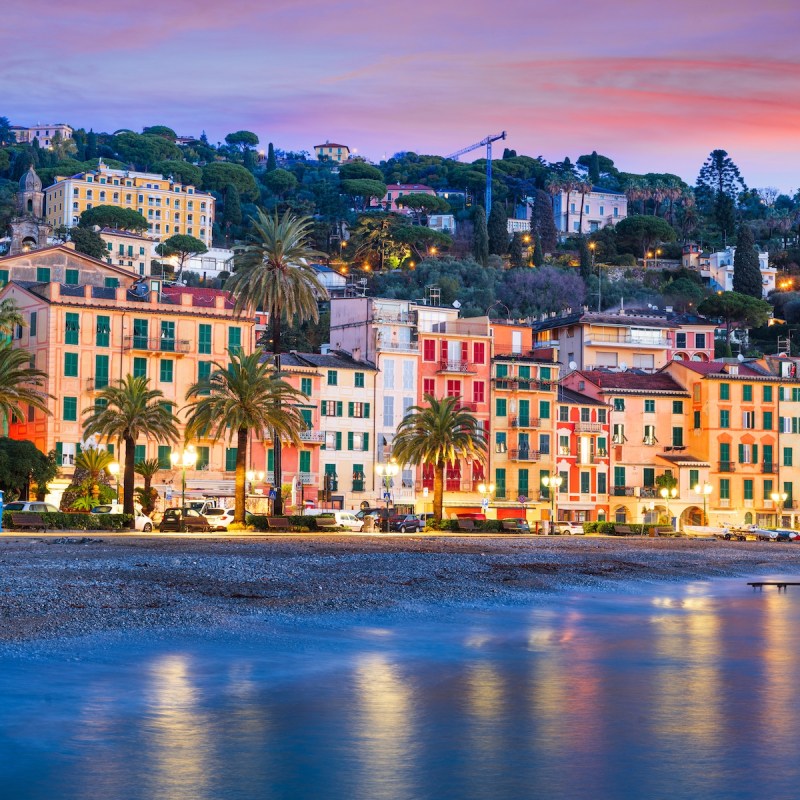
(66, 520)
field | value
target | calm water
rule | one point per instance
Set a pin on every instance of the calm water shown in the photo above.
(688, 692)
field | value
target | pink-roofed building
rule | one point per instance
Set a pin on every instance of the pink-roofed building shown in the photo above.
(395, 190)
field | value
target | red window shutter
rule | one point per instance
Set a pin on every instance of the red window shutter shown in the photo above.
(444, 349)
(479, 352)
(429, 350)
(465, 351)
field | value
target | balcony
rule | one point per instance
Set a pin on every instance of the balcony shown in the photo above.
(726, 466)
(94, 385)
(524, 455)
(588, 427)
(627, 339)
(769, 468)
(623, 491)
(525, 422)
(408, 347)
(457, 367)
(157, 344)
(312, 437)
(648, 491)
(307, 478)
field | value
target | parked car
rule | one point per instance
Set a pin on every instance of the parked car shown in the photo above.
(569, 528)
(405, 523)
(219, 518)
(176, 519)
(142, 521)
(776, 534)
(25, 505)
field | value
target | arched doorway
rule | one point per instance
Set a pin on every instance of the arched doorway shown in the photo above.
(692, 516)
(748, 518)
(621, 514)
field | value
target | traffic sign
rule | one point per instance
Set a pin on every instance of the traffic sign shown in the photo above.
(387, 496)
(485, 502)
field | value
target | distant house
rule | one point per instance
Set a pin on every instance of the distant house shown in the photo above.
(331, 151)
(601, 208)
(42, 133)
(333, 281)
(396, 190)
(720, 271)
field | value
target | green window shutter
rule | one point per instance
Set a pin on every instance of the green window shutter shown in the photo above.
(694, 478)
(724, 452)
(305, 413)
(204, 339)
(139, 367)
(111, 283)
(350, 409)
(522, 481)
(165, 370)
(59, 452)
(586, 482)
(724, 488)
(101, 371)
(32, 323)
(500, 483)
(677, 407)
(203, 457)
(601, 483)
(338, 440)
(270, 460)
(70, 413)
(358, 477)
(333, 377)
(359, 380)
(649, 476)
(350, 440)
(767, 420)
(139, 453)
(502, 372)
(365, 439)
(73, 328)
(338, 408)
(73, 277)
(544, 409)
(103, 331)
(748, 489)
(741, 453)
(500, 406)
(619, 476)
(110, 449)
(787, 456)
(724, 391)
(767, 454)
(696, 420)
(164, 452)
(3, 277)
(234, 338)
(167, 340)
(230, 458)
(724, 419)
(767, 488)
(305, 386)
(747, 393)
(43, 274)
(366, 410)
(649, 406)
(767, 394)
(305, 461)
(141, 334)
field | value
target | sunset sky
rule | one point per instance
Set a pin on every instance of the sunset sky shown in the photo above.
(654, 85)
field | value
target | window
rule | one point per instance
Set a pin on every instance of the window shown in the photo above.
(70, 409)
(767, 420)
(103, 333)
(725, 464)
(767, 488)
(500, 483)
(619, 477)
(72, 277)
(649, 435)
(747, 393)
(479, 352)
(522, 482)
(358, 477)
(428, 386)
(748, 419)
(649, 406)
(748, 489)
(586, 481)
(140, 334)
(333, 440)
(305, 386)
(305, 413)
(331, 408)
(230, 458)
(357, 441)
(33, 319)
(429, 350)
(563, 445)
(204, 339)
(111, 283)
(724, 419)
(168, 336)
(478, 392)
(601, 416)
(333, 377)
(408, 375)
(70, 365)
(72, 329)
(602, 487)
(358, 410)
(165, 372)
(618, 435)
(388, 373)
(586, 415)
(358, 382)
(787, 456)
(677, 406)
(696, 420)
(388, 412)
(164, 461)
(101, 371)
(680, 340)
(500, 442)
(767, 393)
(500, 407)
(139, 453)
(724, 391)
(139, 367)
(544, 409)
(3, 277)
(544, 444)
(677, 437)
(235, 338)
(724, 488)
(203, 458)
(563, 413)
(43, 274)
(619, 404)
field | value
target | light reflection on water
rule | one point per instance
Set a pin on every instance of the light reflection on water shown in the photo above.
(683, 694)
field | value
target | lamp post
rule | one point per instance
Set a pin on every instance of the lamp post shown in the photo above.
(552, 483)
(704, 489)
(386, 473)
(592, 249)
(778, 497)
(667, 494)
(486, 490)
(185, 459)
(113, 469)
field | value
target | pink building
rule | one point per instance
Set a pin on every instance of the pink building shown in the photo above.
(395, 190)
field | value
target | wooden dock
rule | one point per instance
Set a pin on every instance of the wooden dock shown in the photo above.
(780, 584)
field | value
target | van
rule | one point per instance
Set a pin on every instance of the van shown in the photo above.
(344, 519)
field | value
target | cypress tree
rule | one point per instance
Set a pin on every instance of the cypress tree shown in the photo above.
(594, 168)
(517, 251)
(538, 253)
(746, 269)
(232, 211)
(542, 222)
(91, 145)
(272, 163)
(480, 236)
(497, 226)
(586, 259)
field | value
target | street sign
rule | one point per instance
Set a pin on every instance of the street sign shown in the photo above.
(522, 499)
(387, 496)
(425, 492)
(485, 502)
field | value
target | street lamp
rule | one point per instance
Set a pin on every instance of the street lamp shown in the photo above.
(252, 476)
(486, 490)
(552, 483)
(593, 248)
(667, 494)
(185, 459)
(705, 490)
(113, 470)
(387, 472)
(778, 497)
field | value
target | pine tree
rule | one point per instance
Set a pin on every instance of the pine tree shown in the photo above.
(538, 253)
(480, 236)
(272, 163)
(725, 215)
(517, 251)
(232, 211)
(594, 168)
(746, 269)
(91, 145)
(542, 222)
(497, 226)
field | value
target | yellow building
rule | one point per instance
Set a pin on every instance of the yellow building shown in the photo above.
(330, 151)
(128, 250)
(169, 207)
(94, 328)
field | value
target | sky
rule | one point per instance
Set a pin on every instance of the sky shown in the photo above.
(653, 85)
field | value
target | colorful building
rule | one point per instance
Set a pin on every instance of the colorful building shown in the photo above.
(331, 151)
(129, 250)
(394, 191)
(169, 207)
(601, 208)
(43, 134)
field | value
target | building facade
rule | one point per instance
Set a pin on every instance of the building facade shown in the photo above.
(331, 151)
(601, 208)
(43, 134)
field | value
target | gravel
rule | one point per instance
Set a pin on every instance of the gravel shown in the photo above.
(73, 586)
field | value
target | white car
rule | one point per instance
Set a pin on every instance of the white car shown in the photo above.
(569, 528)
(218, 518)
(35, 506)
(143, 522)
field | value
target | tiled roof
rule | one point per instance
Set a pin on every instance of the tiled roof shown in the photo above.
(336, 360)
(417, 187)
(643, 382)
(719, 368)
(201, 296)
(595, 318)
(566, 395)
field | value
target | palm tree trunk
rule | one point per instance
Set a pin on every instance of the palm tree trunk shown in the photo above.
(129, 476)
(566, 209)
(277, 505)
(240, 495)
(438, 491)
(580, 226)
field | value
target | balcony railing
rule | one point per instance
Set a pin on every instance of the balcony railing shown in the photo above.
(314, 437)
(622, 338)
(588, 427)
(769, 468)
(156, 344)
(95, 385)
(648, 491)
(525, 422)
(524, 455)
(726, 466)
(307, 478)
(623, 491)
(462, 367)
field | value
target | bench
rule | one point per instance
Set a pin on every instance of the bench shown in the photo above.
(623, 530)
(278, 524)
(515, 526)
(465, 524)
(326, 523)
(30, 520)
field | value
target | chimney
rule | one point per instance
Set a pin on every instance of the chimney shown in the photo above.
(356, 354)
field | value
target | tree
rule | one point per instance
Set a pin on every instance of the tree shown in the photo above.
(746, 268)
(423, 241)
(438, 433)
(181, 171)
(274, 273)
(542, 222)
(272, 163)
(242, 140)
(360, 170)
(423, 204)
(736, 311)
(641, 232)
(88, 242)
(161, 130)
(127, 411)
(719, 175)
(218, 175)
(92, 464)
(279, 182)
(247, 395)
(124, 219)
(184, 247)
(585, 258)
(538, 252)
(517, 251)
(725, 215)
(480, 236)
(91, 145)
(147, 495)
(363, 190)
(684, 293)
(232, 210)
(528, 292)
(594, 168)
(21, 463)
(19, 383)
(6, 134)
(143, 150)
(62, 148)
(497, 228)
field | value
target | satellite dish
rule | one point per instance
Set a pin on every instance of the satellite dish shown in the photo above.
(573, 366)
(456, 304)
(740, 358)
(624, 366)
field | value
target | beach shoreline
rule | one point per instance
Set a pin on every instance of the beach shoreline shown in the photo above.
(76, 585)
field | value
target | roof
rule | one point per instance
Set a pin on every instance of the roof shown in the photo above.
(128, 234)
(336, 360)
(719, 368)
(690, 319)
(202, 296)
(594, 318)
(330, 144)
(634, 382)
(416, 187)
(128, 273)
(604, 190)
(572, 397)
(683, 460)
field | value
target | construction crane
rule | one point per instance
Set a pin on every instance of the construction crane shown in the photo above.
(487, 142)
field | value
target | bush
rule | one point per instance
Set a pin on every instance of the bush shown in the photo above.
(297, 522)
(66, 520)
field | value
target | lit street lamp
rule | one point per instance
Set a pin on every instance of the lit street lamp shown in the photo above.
(387, 473)
(667, 494)
(552, 483)
(486, 490)
(252, 476)
(778, 497)
(113, 470)
(704, 489)
(185, 459)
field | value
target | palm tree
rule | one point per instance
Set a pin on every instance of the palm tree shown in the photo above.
(584, 187)
(94, 463)
(273, 273)
(147, 469)
(438, 433)
(127, 411)
(246, 395)
(10, 316)
(19, 383)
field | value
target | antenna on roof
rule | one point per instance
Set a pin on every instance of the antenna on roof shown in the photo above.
(624, 366)
(573, 366)
(740, 358)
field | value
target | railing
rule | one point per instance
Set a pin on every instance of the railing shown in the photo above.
(623, 491)
(411, 347)
(724, 502)
(525, 422)
(524, 455)
(316, 437)
(456, 366)
(156, 344)
(585, 460)
(726, 466)
(769, 468)
(307, 478)
(648, 491)
(588, 427)
(95, 385)
(610, 338)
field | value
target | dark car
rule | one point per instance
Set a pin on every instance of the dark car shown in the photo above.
(406, 522)
(176, 519)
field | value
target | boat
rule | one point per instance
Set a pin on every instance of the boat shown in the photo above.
(706, 530)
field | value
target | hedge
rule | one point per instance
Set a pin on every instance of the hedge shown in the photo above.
(259, 522)
(73, 520)
(609, 528)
